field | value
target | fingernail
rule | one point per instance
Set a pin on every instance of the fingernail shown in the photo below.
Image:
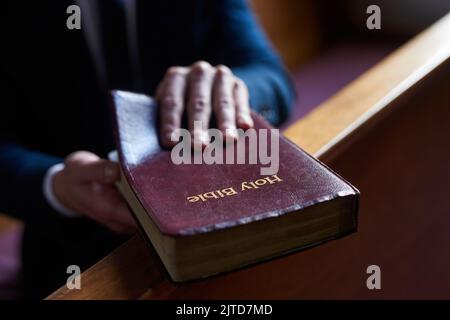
(167, 140)
(168, 137)
(249, 121)
(199, 136)
(245, 122)
(232, 133)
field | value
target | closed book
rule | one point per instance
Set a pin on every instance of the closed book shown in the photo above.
(203, 219)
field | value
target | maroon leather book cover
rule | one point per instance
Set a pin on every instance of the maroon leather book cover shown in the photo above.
(188, 199)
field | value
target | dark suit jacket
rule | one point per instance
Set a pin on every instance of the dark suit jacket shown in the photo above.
(52, 102)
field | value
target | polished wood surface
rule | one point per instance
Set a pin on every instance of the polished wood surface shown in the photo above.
(387, 133)
(371, 94)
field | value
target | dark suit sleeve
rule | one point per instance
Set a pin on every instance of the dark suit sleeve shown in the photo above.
(243, 46)
(21, 169)
(22, 172)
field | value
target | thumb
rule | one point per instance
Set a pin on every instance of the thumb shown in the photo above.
(98, 170)
(102, 171)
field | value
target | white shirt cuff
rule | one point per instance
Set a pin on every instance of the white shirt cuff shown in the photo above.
(113, 156)
(50, 196)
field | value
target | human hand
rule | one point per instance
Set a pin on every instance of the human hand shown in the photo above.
(200, 89)
(86, 185)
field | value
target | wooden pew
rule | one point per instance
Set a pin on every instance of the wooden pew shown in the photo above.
(388, 133)
(7, 223)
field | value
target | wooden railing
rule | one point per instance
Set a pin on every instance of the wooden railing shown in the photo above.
(7, 223)
(387, 132)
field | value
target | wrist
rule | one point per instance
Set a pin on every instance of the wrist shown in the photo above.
(52, 194)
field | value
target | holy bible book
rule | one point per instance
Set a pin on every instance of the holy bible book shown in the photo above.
(203, 219)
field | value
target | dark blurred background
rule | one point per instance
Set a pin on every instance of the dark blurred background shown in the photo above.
(326, 44)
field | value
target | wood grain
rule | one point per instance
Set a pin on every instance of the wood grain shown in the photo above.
(400, 166)
(117, 275)
(371, 94)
